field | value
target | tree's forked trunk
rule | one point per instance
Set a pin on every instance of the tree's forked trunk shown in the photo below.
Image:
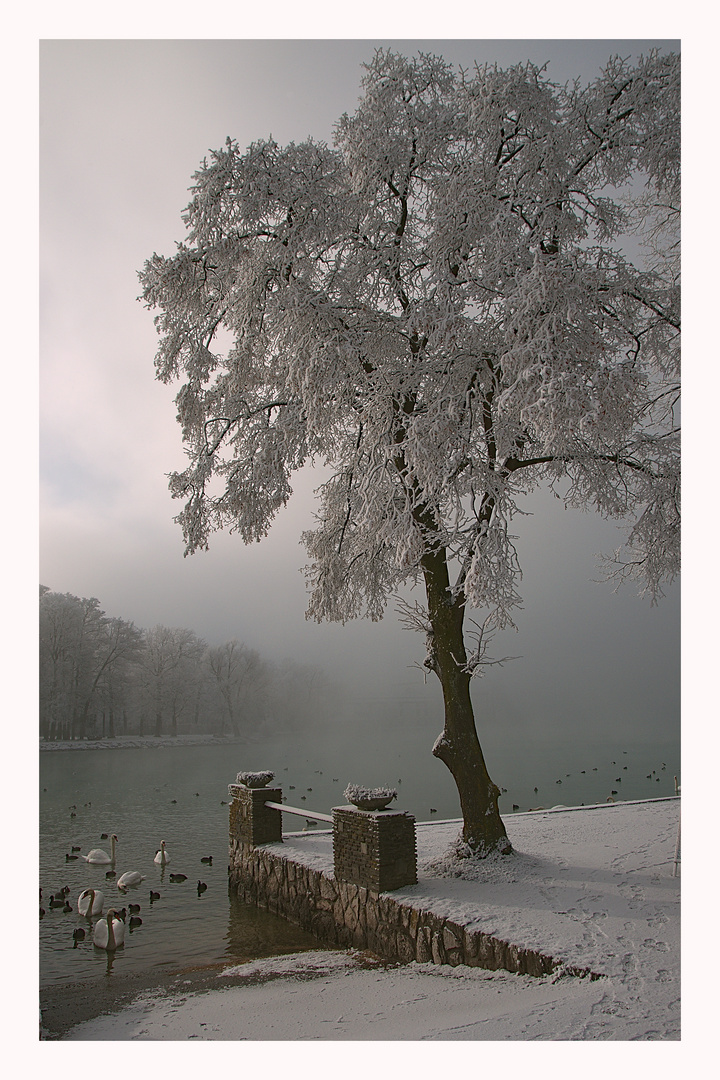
(458, 746)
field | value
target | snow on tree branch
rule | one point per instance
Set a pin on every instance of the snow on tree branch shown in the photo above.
(438, 308)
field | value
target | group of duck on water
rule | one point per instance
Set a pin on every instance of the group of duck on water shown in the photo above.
(109, 931)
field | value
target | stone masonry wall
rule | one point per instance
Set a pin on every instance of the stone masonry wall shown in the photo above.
(346, 915)
(374, 852)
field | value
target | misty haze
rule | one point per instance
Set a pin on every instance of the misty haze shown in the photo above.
(285, 610)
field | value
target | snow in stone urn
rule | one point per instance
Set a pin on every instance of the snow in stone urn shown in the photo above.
(255, 779)
(369, 798)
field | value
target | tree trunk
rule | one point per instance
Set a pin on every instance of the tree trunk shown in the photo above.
(458, 745)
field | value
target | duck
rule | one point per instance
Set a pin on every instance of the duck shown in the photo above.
(154, 896)
(178, 877)
(67, 907)
(57, 901)
(70, 858)
(110, 875)
(201, 887)
(90, 902)
(207, 859)
(42, 912)
(109, 932)
(135, 921)
(75, 847)
(133, 908)
(78, 935)
(97, 855)
(130, 877)
(161, 855)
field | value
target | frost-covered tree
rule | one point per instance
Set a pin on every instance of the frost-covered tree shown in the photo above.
(171, 668)
(240, 676)
(82, 653)
(442, 308)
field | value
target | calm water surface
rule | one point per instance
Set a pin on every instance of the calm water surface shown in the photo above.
(179, 794)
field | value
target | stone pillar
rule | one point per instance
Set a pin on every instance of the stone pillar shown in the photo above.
(251, 822)
(374, 848)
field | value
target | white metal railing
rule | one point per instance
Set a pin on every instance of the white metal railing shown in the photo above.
(309, 814)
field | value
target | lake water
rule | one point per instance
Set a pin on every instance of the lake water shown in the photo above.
(179, 794)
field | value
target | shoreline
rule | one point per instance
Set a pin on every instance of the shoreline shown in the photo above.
(65, 1005)
(145, 742)
(596, 890)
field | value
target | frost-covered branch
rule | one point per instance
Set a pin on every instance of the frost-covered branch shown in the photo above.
(438, 308)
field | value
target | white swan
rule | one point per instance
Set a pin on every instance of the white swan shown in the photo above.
(90, 902)
(132, 877)
(161, 856)
(97, 855)
(109, 932)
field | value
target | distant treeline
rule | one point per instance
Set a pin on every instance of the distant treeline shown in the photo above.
(101, 676)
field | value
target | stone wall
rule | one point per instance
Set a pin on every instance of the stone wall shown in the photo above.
(373, 852)
(343, 914)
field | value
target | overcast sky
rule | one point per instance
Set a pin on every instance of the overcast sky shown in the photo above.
(123, 125)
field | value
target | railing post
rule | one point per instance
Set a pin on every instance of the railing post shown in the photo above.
(251, 821)
(374, 848)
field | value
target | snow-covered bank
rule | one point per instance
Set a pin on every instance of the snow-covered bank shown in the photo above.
(594, 887)
(143, 742)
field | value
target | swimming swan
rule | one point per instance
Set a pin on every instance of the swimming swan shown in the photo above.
(90, 902)
(132, 877)
(109, 932)
(97, 855)
(161, 856)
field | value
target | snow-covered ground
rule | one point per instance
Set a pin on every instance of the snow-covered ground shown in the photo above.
(593, 887)
(138, 742)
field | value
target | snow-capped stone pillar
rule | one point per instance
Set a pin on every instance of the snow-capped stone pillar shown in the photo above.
(374, 848)
(251, 821)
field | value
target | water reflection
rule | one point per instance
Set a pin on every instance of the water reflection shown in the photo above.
(127, 792)
(253, 934)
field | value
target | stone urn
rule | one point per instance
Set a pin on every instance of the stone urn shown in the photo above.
(255, 779)
(369, 798)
